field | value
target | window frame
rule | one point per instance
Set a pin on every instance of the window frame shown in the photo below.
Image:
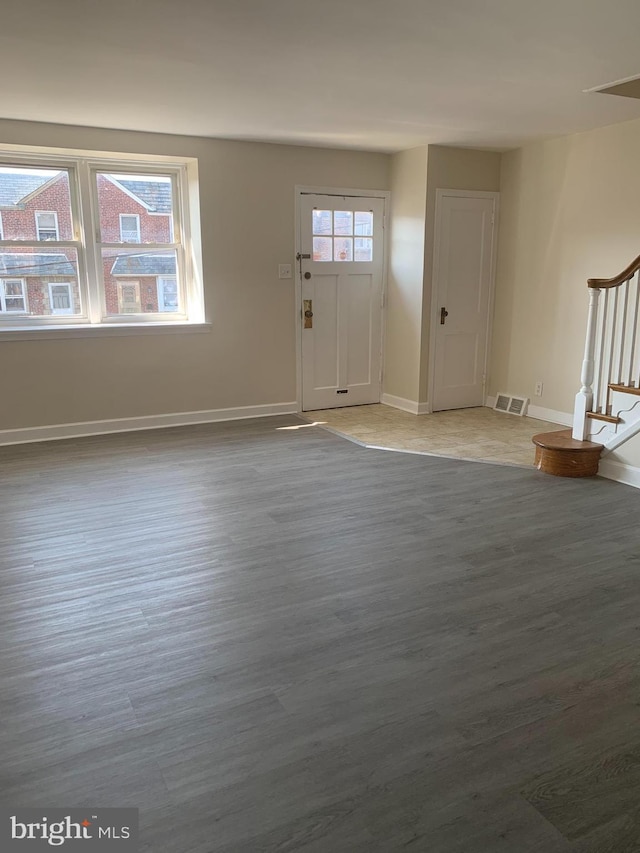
(54, 213)
(82, 167)
(177, 245)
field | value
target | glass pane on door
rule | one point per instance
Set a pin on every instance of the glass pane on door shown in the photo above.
(332, 235)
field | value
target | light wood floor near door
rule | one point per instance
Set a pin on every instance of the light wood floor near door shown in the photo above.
(268, 638)
(481, 433)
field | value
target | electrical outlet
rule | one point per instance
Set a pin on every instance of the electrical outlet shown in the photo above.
(538, 391)
(284, 270)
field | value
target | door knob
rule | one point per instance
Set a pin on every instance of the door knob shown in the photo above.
(307, 275)
(443, 314)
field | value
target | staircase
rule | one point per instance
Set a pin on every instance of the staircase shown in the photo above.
(607, 406)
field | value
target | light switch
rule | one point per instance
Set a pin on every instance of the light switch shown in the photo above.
(284, 270)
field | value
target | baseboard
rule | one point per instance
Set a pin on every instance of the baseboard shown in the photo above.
(621, 473)
(541, 414)
(85, 428)
(411, 406)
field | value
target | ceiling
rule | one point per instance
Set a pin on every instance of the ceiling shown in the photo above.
(383, 75)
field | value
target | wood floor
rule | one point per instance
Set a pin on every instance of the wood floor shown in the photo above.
(277, 640)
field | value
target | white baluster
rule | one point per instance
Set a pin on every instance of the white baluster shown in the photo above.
(584, 397)
(612, 350)
(601, 323)
(599, 401)
(634, 331)
(623, 332)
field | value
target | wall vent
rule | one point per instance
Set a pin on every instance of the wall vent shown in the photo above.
(511, 405)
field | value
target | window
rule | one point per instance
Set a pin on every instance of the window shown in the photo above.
(1, 231)
(66, 253)
(13, 295)
(344, 236)
(167, 293)
(47, 225)
(60, 297)
(129, 227)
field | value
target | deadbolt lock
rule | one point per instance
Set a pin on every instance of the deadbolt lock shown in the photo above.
(307, 313)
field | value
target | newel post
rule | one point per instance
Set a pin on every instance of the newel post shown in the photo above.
(584, 397)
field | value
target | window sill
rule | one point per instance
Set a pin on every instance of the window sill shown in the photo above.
(111, 330)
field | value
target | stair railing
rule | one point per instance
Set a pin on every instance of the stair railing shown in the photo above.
(612, 346)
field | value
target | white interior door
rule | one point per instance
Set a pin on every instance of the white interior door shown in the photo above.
(463, 286)
(341, 242)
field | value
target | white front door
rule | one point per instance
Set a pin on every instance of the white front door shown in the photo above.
(341, 243)
(463, 285)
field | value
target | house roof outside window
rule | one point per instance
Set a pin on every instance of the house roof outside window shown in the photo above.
(16, 186)
(156, 196)
(38, 263)
(146, 264)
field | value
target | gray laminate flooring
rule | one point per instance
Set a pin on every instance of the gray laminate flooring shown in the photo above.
(278, 640)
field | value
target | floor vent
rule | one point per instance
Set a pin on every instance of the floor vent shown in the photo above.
(511, 405)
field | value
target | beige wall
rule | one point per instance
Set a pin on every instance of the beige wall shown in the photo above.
(248, 357)
(569, 212)
(450, 169)
(406, 274)
(415, 177)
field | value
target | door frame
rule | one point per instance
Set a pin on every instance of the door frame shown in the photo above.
(299, 191)
(124, 282)
(435, 271)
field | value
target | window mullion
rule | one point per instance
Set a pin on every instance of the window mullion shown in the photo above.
(182, 228)
(89, 257)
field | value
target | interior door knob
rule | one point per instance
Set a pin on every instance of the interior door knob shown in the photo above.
(443, 314)
(307, 275)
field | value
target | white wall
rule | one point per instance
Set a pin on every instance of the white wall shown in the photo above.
(450, 169)
(403, 337)
(248, 358)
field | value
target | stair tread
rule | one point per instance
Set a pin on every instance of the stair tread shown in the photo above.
(625, 389)
(562, 440)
